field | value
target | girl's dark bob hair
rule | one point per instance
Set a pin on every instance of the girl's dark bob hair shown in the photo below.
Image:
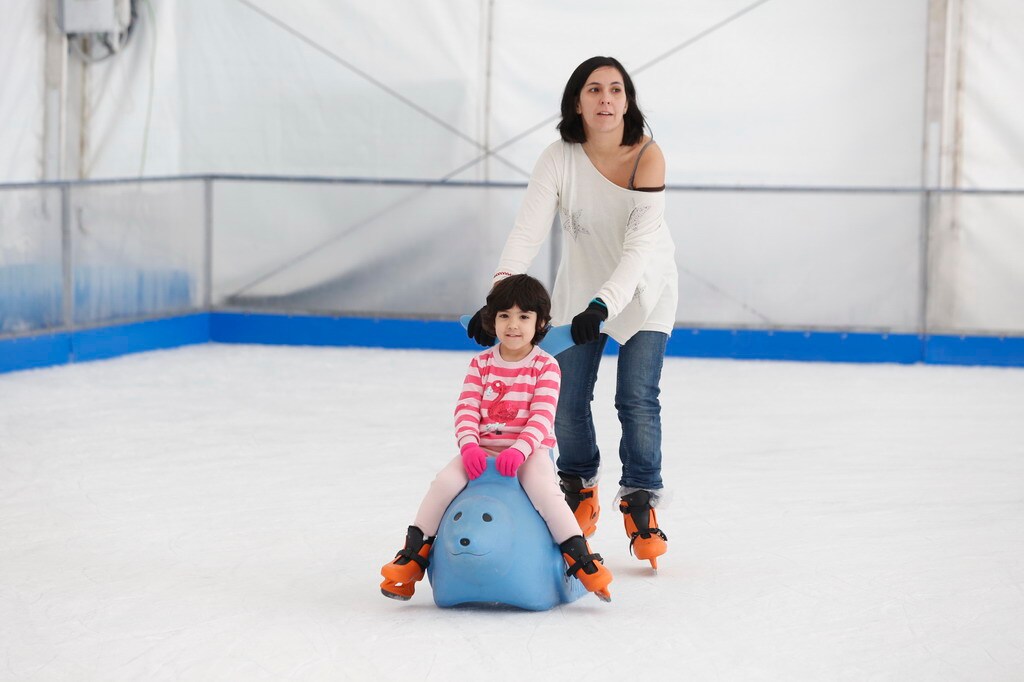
(525, 292)
(571, 125)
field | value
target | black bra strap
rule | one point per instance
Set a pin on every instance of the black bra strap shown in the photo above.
(637, 164)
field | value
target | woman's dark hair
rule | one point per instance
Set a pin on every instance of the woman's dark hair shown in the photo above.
(525, 292)
(571, 125)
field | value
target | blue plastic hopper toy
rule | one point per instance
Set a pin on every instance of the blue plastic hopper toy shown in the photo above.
(494, 548)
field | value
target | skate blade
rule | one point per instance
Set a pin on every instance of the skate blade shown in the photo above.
(654, 563)
(603, 595)
(392, 595)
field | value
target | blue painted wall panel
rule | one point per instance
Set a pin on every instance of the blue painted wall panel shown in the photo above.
(34, 351)
(975, 350)
(106, 342)
(795, 345)
(338, 331)
(109, 342)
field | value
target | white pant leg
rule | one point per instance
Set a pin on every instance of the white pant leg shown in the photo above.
(448, 483)
(540, 481)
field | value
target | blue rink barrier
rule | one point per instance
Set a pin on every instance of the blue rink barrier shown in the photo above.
(43, 350)
(817, 346)
(308, 330)
(57, 346)
(999, 351)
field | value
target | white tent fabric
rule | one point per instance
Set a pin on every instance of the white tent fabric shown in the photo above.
(22, 60)
(978, 282)
(745, 92)
(299, 88)
(797, 92)
(756, 92)
(786, 93)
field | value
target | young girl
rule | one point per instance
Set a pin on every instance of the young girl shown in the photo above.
(506, 410)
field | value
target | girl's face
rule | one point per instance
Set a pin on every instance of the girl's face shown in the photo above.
(515, 330)
(602, 101)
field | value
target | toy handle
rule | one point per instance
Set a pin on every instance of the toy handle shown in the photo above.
(557, 339)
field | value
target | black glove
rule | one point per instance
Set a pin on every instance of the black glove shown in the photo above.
(475, 330)
(586, 326)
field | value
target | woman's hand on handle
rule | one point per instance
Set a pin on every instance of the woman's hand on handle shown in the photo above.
(475, 330)
(586, 326)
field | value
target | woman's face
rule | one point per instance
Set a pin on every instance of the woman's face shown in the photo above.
(602, 101)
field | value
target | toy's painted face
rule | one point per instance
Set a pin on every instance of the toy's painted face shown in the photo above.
(478, 528)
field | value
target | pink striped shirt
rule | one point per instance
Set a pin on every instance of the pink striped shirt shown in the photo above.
(509, 404)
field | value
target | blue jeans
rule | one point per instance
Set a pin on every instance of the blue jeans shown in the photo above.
(636, 400)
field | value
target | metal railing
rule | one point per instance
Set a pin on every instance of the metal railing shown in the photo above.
(205, 295)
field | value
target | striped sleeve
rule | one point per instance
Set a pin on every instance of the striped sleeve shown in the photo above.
(467, 409)
(541, 421)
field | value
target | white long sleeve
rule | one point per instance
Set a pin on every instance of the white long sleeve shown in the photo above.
(640, 242)
(534, 219)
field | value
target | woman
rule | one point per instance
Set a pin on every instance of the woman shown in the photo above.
(606, 179)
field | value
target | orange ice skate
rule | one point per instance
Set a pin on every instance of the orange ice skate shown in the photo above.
(646, 540)
(401, 574)
(586, 566)
(582, 501)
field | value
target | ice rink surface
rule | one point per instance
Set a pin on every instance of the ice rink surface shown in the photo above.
(221, 512)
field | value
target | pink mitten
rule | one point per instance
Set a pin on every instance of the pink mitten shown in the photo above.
(474, 459)
(509, 461)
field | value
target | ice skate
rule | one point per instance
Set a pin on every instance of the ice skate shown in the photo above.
(586, 566)
(646, 540)
(582, 501)
(400, 575)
